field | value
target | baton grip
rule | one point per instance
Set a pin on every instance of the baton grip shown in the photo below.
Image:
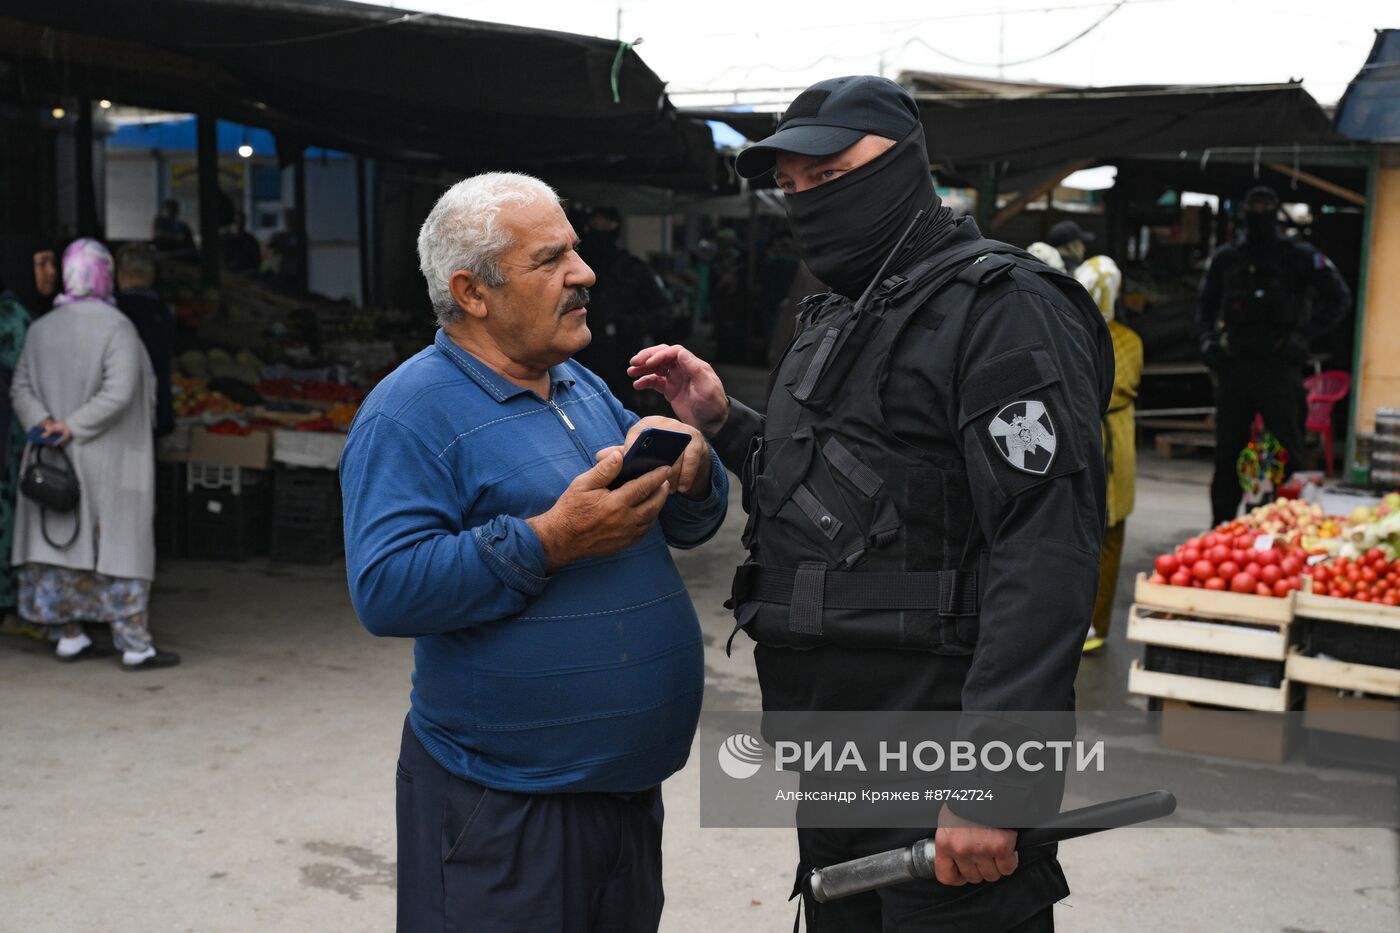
(916, 861)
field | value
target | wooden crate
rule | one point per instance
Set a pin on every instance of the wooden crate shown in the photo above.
(1213, 604)
(1264, 640)
(1213, 692)
(1341, 675)
(1309, 605)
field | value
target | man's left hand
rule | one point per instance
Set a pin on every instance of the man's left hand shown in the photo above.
(967, 852)
(690, 475)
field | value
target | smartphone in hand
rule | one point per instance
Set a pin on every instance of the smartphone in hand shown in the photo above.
(654, 447)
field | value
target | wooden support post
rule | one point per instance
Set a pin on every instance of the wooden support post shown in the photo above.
(1307, 178)
(88, 224)
(362, 222)
(299, 223)
(207, 155)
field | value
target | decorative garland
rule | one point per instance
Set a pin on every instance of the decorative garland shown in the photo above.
(1262, 461)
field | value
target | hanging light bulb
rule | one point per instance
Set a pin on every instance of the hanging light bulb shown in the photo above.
(105, 104)
(246, 151)
(59, 113)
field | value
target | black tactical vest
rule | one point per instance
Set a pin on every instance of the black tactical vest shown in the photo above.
(835, 498)
(1263, 301)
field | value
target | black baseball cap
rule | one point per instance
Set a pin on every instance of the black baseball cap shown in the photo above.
(830, 116)
(1067, 231)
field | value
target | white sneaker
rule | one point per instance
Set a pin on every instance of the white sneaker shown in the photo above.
(71, 647)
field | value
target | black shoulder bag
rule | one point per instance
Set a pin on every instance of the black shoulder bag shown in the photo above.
(52, 486)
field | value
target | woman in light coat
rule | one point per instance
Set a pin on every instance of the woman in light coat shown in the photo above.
(84, 377)
(1101, 276)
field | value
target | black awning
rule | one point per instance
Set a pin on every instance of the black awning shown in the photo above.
(364, 78)
(1062, 125)
(1370, 108)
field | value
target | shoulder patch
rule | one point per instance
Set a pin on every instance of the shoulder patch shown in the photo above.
(1024, 433)
(985, 268)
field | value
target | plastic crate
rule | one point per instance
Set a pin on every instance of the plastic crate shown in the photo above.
(316, 545)
(226, 525)
(219, 476)
(170, 517)
(1210, 666)
(303, 496)
(1355, 644)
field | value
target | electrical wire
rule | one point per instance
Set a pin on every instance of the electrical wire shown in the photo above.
(1022, 61)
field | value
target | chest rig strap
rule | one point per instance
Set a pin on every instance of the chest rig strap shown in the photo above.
(947, 592)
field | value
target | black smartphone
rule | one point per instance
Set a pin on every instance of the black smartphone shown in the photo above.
(654, 447)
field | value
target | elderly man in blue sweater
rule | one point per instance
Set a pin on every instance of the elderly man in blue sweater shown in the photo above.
(558, 666)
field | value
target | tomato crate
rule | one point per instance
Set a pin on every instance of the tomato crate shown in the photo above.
(1211, 666)
(1267, 641)
(1349, 630)
(1212, 604)
(1162, 685)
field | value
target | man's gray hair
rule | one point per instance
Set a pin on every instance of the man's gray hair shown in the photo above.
(137, 261)
(464, 232)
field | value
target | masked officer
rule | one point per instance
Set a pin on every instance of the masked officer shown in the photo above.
(1262, 300)
(926, 490)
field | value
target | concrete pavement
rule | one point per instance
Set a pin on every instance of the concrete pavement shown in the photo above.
(251, 788)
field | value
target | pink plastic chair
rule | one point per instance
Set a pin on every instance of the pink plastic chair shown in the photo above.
(1325, 390)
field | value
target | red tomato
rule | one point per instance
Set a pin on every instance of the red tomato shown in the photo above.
(1271, 556)
(1368, 575)
(1210, 540)
(1391, 599)
(1194, 543)
(1202, 570)
(1215, 583)
(1361, 597)
(1283, 587)
(1239, 556)
(1290, 565)
(1181, 578)
(1157, 578)
(1189, 555)
(1252, 569)
(1166, 564)
(1271, 574)
(1243, 583)
(1263, 589)
(1245, 540)
(1320, 573)
(1218, 554)
(1344, 586)
(1375, 554)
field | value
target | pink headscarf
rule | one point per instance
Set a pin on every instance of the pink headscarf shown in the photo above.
(87, 273)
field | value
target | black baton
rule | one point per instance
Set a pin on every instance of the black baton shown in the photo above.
(916, 861)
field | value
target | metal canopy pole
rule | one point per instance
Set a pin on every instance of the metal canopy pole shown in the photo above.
(362, 218)
(210, 247)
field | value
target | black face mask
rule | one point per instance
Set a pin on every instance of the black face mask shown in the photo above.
(845, 228)
(1259, 227)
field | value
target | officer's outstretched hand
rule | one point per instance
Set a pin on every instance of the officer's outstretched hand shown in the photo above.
(688, 383)
(966, 853)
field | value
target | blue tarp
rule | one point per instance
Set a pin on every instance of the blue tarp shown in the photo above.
(1370, 108)
(178, 135)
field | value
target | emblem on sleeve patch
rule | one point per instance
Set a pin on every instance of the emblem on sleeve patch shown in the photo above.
(1025, 435)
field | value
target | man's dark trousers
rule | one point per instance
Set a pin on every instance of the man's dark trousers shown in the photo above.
(1245, 388)
(474, 859)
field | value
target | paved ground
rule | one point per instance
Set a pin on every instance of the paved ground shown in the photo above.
(252, 787)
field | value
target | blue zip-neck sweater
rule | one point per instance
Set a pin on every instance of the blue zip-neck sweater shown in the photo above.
(587, 679)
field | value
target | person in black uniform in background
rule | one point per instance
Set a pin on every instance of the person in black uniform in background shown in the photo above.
(926, 490)
(1262, 301)
(627, 309)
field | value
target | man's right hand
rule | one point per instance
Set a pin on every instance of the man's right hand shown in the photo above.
(589, 520)
(688, 383)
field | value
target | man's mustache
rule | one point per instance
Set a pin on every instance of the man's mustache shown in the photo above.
(575, 298)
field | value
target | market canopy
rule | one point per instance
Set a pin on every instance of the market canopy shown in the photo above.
(1370, 108)
(367, 79)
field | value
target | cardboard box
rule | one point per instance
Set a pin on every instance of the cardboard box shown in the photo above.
(1245, 736)
(1327, 710)
(253, 451)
